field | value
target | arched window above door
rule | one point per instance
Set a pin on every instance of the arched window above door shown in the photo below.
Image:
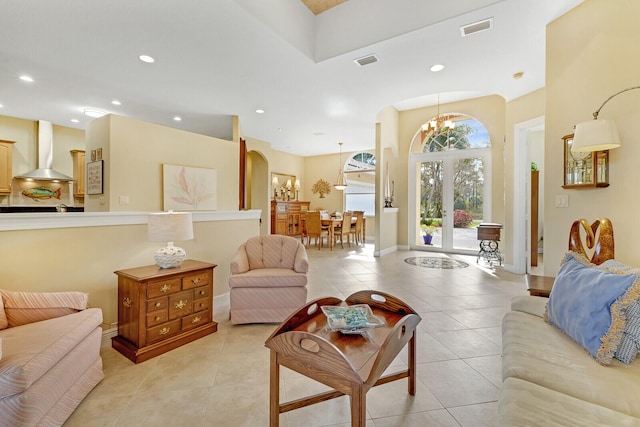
(450, 132)
(360, 193)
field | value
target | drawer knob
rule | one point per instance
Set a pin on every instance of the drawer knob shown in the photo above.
(164, 331)
(158, 304)
(157, 318)
(196, 319)
(181, 304)
(126, 302)
(165, 288)
(196, 280)
(202, 292)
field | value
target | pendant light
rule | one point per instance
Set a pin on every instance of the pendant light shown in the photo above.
(439, 123)
(341, 182)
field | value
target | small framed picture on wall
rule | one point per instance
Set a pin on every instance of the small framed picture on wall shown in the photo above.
(94, 177)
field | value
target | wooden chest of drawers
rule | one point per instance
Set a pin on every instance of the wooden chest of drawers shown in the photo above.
(161, 309)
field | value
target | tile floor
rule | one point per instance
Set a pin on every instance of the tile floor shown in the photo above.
(223, 379)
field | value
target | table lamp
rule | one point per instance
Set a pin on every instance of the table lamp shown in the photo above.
(169, 227)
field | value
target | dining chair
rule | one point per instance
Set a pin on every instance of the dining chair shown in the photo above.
(357, 228)
(316, 229)
(343, 229)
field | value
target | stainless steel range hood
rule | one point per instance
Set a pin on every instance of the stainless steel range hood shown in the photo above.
(45, 157)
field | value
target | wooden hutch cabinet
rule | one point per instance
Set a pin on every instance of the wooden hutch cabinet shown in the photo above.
(160, 309)
(6, 148)
(288, 217)
(78, 172)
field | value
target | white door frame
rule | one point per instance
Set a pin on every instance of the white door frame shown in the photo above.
(521, 200)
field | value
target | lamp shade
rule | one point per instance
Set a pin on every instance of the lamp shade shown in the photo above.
(169, 226)
(595, 135)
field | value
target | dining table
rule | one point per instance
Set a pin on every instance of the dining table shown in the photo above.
(336, 222)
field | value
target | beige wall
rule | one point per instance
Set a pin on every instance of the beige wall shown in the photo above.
(134, 152)
(84, 258)
(592, 54)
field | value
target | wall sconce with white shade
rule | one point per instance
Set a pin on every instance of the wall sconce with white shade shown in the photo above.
(341, 181)
(170, 227)
(596, 135)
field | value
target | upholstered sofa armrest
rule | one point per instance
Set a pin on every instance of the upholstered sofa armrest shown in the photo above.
(27, 307)
(240, 261)
(301, 262)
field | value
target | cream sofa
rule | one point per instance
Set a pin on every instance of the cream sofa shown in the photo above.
(550, 380)
(49, 356)
(268, 279)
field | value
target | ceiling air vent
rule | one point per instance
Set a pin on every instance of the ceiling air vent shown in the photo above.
(366, 60)
(476, 27)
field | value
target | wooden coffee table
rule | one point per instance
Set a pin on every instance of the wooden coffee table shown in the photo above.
(350, 364)
(539, 286)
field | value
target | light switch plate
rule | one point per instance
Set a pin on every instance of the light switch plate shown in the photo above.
(562, 200)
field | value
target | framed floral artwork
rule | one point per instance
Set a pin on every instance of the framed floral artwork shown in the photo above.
(188, 188)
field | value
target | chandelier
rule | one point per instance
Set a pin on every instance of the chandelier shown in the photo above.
(341, 182)
(438, 124)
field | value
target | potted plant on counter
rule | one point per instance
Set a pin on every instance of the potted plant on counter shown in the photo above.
(427, 233)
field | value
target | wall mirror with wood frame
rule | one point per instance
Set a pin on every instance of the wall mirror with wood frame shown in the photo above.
(584, 169)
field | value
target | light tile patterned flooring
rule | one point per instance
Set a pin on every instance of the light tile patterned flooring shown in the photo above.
(223, 379)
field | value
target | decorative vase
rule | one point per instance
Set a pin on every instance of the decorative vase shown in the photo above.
(427, 239)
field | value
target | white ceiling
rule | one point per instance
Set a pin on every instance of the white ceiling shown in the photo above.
(219, 58)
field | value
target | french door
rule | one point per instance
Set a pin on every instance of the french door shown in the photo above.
(451, 193)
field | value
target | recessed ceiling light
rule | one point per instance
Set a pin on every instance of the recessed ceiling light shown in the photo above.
(116, 102)
(518, 75)
(1, 105)
(75, 120)
(437, 67)
(177, 118)
(147, 59)
(279, 129)
(259, 111)
(93, 112)
(26, 78)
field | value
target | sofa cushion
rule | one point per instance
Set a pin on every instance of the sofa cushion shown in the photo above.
(588, 303)
(530, 304)
(31, 350)
(27, 307)
(267, 278)
(522, 403)
(536, 351)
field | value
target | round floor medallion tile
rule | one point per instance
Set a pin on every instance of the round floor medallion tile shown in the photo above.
(435, 262)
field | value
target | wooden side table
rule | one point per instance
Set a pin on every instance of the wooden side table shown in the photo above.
(539, 286)
(160, 309)
(350, 364)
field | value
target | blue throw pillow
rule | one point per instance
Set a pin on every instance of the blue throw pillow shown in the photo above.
(630, 342)
(589, 304)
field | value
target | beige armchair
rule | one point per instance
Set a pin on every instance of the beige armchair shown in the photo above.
(268, 279)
